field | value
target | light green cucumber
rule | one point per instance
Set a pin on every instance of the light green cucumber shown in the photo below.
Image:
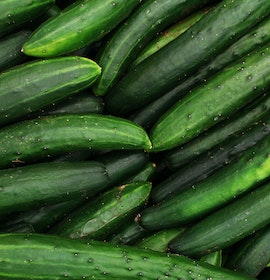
(49, 136)
(39, 83)
(38, 256)
(78, 25)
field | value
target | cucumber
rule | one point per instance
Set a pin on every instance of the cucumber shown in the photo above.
(48, 136)
(38, 256)
(99, 218)
(10, 51)
(225, 130)
(36, 84)
(159, 241)
(145, 174)
(203, 166)
(83, 102)
(78, 25)
(14, 13)
(251, 255)
(168, 35)
(226, 226)
(257, 37)
(183, 56)
(143, 24)
(208, 104)
(37, 185)
(214, 258)
(229, 182)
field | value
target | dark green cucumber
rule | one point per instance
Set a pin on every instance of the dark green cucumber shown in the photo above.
(183, 56)
(203, 166)
(48, 136)
(255, 38)
(168, 35)
(252, 254)
(14, 13)
(78, 25)
(208, 104)
(102, 216)
(233, 180)
(38, 256)
(36, 84)
(80, 103)
(40, 219)
(160, 240)
(33, 186)
(10, 51)
(226, 226)
(145, 174)
(143, 24)
(247, 117)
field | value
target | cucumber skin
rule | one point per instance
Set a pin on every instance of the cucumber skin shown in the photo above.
(255, 38)
(209, 162)
(226, 226)
(182, 57)
(143, 24)
(71, 31)
(33, 254)
(224, 94)
(102, 216)
(251, 255)
(39, 83)
(15, 13)
(233, 180)
(37, 185)
(10, 51)
(251, 114)
(49, 136)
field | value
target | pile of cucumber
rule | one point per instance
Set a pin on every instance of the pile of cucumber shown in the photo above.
(135, 139)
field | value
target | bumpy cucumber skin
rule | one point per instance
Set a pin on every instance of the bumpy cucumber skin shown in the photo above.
(251, 255)
(33, 186)
(182, 57)
(36, 84)
(254, 39)
(210, 103)
(224, 131)
(231, 181)
(10, 51)
(143, 25)
(14, 13)
(33, 254)
(99, 218)
(226, 226)
(77, 26)
(48, 136)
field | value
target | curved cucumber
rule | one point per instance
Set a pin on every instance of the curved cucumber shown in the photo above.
(37, 256)
(77, 26)
(142, 26)
(33, 186)
(208, 163)
(208, 104)
(252, 254)
(102, 216)
(54, 135)
(36, 84)
(182, 57)
(10, 51)
(226, 226)
(234, 179)
(15, 13)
